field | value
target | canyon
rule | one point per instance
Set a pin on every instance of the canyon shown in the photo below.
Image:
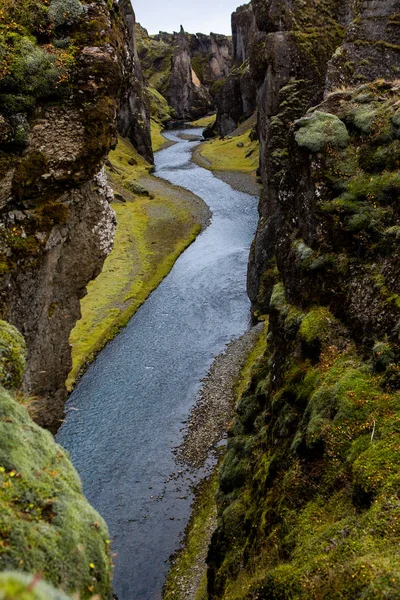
(307, 101)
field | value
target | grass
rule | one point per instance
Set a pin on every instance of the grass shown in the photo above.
(151, 234)
(226, 155)
(158, 141)
(204, 121)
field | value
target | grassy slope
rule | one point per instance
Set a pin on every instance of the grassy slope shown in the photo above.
(151, 234)
(226, 155)
(47, 527)
(204, 121)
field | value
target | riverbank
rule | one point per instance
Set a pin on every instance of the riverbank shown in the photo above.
(207, 427)
(156, 223)
(234, 159)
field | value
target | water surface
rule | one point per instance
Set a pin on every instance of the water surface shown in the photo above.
(127, 413)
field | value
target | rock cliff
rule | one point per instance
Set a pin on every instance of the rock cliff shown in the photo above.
(237, 99)
(308, 489)
(60, 85)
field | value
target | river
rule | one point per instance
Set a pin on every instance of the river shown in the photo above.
(127, 413)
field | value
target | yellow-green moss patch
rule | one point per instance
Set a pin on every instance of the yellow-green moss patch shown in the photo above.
(204, 121)
(231, 154)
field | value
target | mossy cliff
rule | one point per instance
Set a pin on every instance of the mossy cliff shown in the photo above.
(47, 527)
(308, 493)
(66, 76)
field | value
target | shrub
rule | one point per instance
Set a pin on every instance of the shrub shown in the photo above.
(65, 12)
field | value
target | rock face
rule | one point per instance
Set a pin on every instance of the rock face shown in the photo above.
(185, 68)
(134, 112)
(59, 123)
(47, 526)
(237, 99)
(309, 483)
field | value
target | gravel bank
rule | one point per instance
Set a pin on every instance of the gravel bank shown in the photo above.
(206, 428)
(215, 406)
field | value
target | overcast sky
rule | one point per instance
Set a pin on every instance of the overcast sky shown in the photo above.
(196, 16)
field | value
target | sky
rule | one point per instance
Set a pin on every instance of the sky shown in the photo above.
(196, 16)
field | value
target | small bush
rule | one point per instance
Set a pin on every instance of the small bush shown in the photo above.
(65, 12)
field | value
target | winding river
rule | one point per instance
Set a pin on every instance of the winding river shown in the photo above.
(127, 413)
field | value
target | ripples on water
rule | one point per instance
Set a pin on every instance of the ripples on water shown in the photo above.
(126, 414)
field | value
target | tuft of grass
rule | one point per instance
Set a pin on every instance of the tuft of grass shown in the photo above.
(152, 232)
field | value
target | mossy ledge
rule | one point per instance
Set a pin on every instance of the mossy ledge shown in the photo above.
(47, 527)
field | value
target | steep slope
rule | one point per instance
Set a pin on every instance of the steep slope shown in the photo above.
(59, 97)
(308, 500)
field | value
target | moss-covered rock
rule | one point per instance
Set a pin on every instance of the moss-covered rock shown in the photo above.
(320, 130)
(12, 356)
(21, 586)
(46, 524)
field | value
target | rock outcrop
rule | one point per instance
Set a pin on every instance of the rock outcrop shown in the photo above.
(58, 109)
(47, 526)
(308, 490)
(237, 99)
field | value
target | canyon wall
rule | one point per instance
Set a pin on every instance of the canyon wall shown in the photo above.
(237, 99)
(186, 69)
(308, 489)
(59, 100)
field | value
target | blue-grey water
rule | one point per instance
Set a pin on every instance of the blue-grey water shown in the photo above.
(127, 413)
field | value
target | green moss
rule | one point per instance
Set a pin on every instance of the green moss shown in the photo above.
(316, 324)
(20, 586)
(12, 356)
(46, 524)
(278, 299)
(319, 130)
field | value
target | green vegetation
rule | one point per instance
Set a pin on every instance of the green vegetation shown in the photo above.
(152, 231)
(203, 521)
(197, 539)
(19, 586)
(46, 524)
(12, 356)
(320, 130)
(320, 501)
(204, 121)
(230, 154)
